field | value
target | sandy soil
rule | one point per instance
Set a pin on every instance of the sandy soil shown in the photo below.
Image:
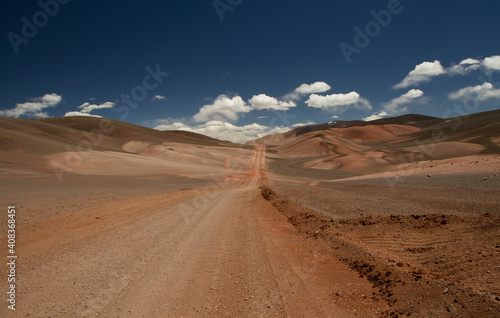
(429, 242)
(199, 252)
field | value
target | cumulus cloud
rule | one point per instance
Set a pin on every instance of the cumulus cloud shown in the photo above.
(376, 116)
(87, 108)
(226, 131)
(34, 108)
(480, 92)
(400, 104)
(425, 71)
(304, 89)
(222, 109)
(304, 124)
(492, 63)
(75, 113)
(317, 87)
(165, 121)
(262, 101)
(469, 61)
(333, 100)
(159, 98)
(422, 73)
(462, 69)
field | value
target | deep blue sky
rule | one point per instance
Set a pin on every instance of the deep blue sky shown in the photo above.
(95, 51)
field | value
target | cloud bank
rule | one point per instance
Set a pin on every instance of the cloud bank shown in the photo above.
(226, 131)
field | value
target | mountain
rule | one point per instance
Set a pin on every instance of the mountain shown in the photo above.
(358, 146)
(98, 146)
(89, 145)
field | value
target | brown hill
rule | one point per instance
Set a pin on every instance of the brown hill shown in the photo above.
(356, 146)
(97, 146)
(88, 145)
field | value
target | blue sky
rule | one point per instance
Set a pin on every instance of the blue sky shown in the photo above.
(239, 69)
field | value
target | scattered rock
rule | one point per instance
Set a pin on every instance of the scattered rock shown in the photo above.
(452, 309)
(429, 176)
(484, 178)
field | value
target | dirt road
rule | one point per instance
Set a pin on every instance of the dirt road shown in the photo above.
(218, 253)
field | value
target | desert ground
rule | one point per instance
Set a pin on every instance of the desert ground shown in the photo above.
(392, 218)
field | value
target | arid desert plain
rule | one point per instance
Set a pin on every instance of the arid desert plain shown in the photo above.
(393, 217)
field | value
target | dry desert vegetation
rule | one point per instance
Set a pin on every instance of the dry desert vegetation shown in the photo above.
(391, 218)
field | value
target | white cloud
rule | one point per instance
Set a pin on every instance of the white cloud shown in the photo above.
(469, 61)
(304, 124)
(158, 98)
(74, 113)
(463, 68)
(400, 104)
(226, 131)
(262, 101)
(223, 108)
(422, 73)
(333, 100)
(479, 92)
(425, 71)
(334, 117)
(34, 108)
(376, 116)
(317, 87)
(87, 108)
(492, 63)
(165, 121)
(304, 89)
(363, 104)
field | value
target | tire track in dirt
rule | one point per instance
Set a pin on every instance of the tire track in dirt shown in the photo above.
(234, 255)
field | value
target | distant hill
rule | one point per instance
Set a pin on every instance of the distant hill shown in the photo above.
(122, 130)
(410, 119)
(98, 146)
(360, 146)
